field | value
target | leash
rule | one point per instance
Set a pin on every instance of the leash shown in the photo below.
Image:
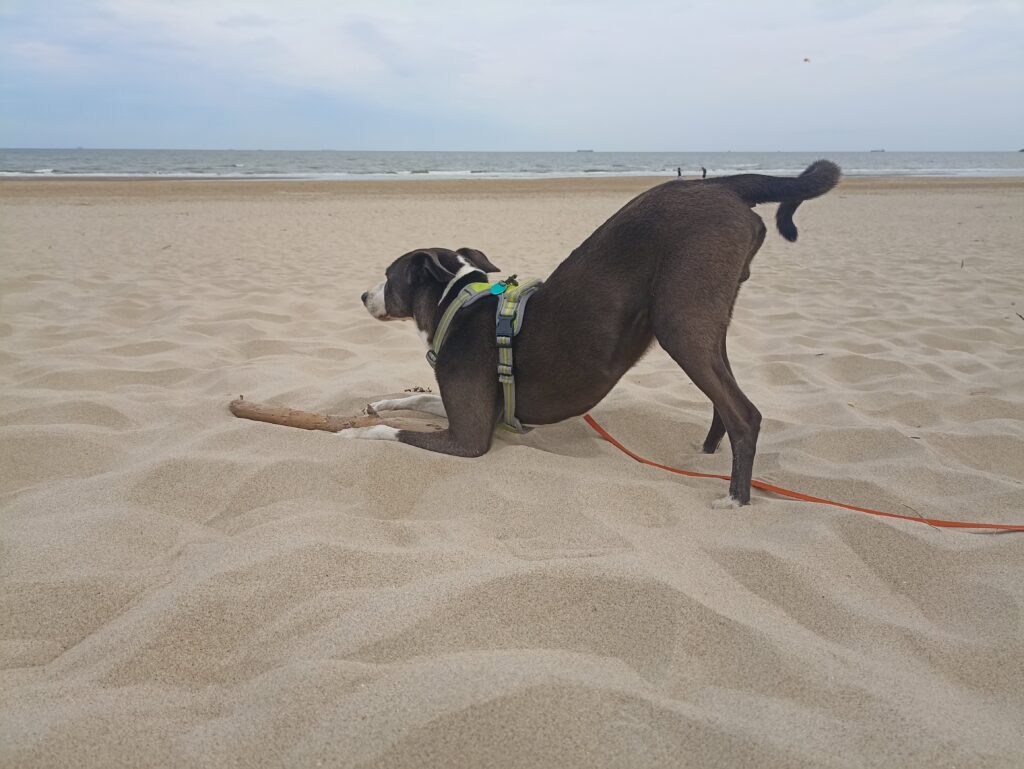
(798, 495)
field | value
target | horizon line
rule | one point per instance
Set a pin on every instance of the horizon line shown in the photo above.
(498, 151)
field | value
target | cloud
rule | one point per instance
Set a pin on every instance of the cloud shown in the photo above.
(47, 57)
(247, 20)
(650, 74)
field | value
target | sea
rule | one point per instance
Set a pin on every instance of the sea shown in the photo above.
(341, 164)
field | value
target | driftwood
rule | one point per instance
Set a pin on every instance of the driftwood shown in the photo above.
(308, 420)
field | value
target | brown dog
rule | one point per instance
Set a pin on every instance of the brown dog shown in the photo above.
(667, 266)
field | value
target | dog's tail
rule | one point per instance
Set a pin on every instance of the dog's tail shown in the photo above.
(819, 177)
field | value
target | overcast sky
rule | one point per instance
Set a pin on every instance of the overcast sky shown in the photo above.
(516, 75)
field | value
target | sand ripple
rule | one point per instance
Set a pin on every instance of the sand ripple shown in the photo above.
(180, 588)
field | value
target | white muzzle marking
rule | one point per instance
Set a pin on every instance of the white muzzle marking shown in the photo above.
(375, 304)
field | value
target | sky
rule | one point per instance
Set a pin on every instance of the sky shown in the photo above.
(642, 75)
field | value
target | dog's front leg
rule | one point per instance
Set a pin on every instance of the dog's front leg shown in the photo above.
(428, 404)
(459, 444)
(471, 404)
(464, 438)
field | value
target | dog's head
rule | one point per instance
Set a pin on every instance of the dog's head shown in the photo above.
(413, 273)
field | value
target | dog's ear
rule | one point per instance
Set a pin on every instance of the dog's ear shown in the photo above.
(477, 259)
(432, 261)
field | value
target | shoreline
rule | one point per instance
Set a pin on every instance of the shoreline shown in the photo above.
(24, 187)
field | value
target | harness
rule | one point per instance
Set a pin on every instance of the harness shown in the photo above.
(512, 298)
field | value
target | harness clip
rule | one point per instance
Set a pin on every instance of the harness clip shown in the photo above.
(504, 326)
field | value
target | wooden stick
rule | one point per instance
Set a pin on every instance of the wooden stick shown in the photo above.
(308, 420)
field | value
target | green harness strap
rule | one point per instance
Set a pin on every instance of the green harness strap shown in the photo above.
(466, 296)
(512, 298)
(508, 321)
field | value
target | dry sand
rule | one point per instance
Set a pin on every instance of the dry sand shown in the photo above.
(181, 588)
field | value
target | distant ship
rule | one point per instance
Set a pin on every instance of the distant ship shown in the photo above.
(878, 150)
(584, 150)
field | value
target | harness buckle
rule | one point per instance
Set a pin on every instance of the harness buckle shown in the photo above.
(504, 326)
(432, 358)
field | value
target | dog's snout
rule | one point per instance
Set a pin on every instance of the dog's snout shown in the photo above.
(365, 294)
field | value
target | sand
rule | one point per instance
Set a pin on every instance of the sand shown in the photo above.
(182, 588)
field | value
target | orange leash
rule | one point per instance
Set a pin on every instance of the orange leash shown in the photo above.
(796, 494)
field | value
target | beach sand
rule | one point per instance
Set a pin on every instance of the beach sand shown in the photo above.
(182, 588)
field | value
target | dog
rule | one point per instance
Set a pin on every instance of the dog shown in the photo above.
(667, 267)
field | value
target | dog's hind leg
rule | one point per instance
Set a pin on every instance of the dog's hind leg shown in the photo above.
(717, 429)
(695, 338)
(740, 418)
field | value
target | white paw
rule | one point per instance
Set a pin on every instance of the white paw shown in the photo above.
(725, 503)
(375, 433)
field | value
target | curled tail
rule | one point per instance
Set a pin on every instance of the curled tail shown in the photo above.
(819, 177)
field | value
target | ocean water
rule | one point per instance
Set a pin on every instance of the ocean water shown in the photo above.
(337, 164)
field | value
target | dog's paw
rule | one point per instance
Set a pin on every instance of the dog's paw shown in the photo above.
(370, 410)
(375, 433)
(388, 404)
(726, 503)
